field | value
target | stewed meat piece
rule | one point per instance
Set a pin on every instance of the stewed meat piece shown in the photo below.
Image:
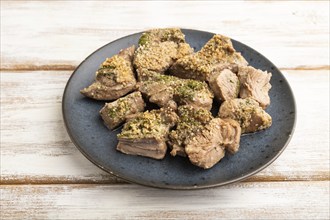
(147, 133)
(114, 78)
(165, 90)
(247, 113)
(255, 84)
(158, 88)
(115, 113)
(191, 120)
(224, 85)
(160, 48)
(161, 35)
(207, 147)
(157, 57)
(218, 50)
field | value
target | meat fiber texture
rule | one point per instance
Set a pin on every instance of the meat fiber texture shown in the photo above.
(191, 120)
(255, 84)
(208, 146)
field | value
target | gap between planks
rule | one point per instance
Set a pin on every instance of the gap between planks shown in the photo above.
(68, 67)
(321, 176)
(82, 184)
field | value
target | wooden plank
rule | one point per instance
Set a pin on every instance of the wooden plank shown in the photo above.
(288, 200)
(35, 147)
(291, 34)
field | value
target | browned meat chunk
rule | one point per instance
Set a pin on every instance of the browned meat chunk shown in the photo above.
(255, 84)
(114, 78)
(147, 133)
(247, 113)
(224, 84)
(160, 48)
(191, 120)
(115, 113)
(207, 147)
(199, 66)
(164, 90)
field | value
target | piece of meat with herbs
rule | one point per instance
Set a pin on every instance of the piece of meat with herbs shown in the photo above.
(157, 57)
(207, 147)
(191, 120)
(147, 133)
(115, 113)
(165, 90)
(160, 48)
(162, 35)
(114, 79)
(183, 50)
(255, 84)
(247, 113)
(158, 88)
(225, 85)
(195, 93)
(200, 65)
(145, 74)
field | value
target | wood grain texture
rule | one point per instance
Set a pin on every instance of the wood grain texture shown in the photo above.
(43, 35)
(42, 42)
(35, 147)
(290, 200)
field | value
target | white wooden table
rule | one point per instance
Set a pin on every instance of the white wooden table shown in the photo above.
(44, 176)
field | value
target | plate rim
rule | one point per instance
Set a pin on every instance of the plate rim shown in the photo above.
(178, 187)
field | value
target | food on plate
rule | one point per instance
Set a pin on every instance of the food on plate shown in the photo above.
(160, 48)
(147, 133)
(247, 112)
(116, 112)
(183, 85)
(165, 90)
(161, 35)
(200, 65)
(114, 78)
(225, 85)
(255, 84)
(191, 120)
(208, 146)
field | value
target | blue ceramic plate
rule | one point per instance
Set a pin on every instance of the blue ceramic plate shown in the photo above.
(98, 144)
